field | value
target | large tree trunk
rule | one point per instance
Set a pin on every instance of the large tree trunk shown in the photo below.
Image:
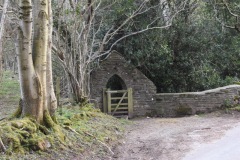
(34, 58)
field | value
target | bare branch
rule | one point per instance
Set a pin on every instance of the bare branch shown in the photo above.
(229, 10)
(143, 30)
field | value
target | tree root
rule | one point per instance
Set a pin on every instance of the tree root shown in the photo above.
(88, 134)
(2, 146)
(102, 143)
(18, 112)
(48, 121)
(21, 135)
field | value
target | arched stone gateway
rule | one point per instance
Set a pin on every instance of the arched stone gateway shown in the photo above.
(117, 74)
(116, 83)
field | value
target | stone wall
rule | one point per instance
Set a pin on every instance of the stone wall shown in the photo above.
(145, 99)
(177, 104)
(144, 90)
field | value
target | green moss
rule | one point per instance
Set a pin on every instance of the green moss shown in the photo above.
(17, 113)
(237, 108)
(183, 110)
(47, 120)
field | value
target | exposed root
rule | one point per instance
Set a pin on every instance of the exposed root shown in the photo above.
(88, 134)
(18, 112)
(48, 121)
(2, 146)
(104, 144)
(83, 101)
(21, 135)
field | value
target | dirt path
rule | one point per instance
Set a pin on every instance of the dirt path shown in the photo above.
(171, 139)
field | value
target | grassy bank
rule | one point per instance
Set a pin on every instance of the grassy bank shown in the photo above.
(84, 133)
(87, 134)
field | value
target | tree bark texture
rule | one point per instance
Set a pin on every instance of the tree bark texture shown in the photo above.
(2, 25)
(34, 56)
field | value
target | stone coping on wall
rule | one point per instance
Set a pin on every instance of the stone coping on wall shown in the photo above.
(220, 89)
(188, 103)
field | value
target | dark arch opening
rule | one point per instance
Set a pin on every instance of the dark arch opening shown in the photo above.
(116, 83)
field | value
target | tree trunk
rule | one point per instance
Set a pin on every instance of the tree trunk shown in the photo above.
(34, 58)
(2, 25)
(51, 97)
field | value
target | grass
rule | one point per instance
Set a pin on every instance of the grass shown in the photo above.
(9, 94)
(9, 86)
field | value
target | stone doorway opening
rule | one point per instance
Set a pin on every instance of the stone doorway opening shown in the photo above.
(116, 83)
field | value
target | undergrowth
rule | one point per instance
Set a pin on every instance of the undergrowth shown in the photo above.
(236, 108)
(83, 129)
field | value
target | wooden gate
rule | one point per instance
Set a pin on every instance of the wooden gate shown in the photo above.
(118, 103)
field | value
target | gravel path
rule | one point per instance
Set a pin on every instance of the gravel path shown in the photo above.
(172, 138)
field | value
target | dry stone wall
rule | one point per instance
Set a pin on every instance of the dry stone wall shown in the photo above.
(178, 104)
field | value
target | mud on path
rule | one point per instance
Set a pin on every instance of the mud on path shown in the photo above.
(172, 138)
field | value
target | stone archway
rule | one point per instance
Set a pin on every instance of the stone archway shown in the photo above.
(116, 66)
(116, 83)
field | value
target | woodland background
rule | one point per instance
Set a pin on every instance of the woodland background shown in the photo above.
(190, 45)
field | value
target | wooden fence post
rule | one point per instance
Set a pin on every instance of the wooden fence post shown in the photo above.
(104, 100)
(109, 102)
(130, 103)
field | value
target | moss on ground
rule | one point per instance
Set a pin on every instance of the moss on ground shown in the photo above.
(78, 131)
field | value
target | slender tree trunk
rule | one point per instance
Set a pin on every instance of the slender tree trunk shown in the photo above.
(2, 25)
(51, 97)
(40, 48)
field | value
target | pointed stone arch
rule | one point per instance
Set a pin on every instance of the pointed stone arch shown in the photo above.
(116, 83)
(115, 65)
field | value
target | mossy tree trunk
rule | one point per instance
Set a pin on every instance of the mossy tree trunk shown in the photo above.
(34, 59)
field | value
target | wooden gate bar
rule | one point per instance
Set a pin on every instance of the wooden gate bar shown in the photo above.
(122, 104)
(122, 108)
(116, 98)
(117, 91)
(119, 103)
